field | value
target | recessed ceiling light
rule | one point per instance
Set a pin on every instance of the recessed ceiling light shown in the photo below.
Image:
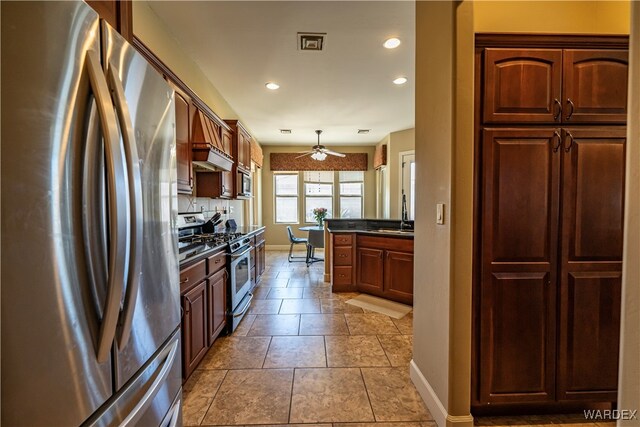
(272, 86)
(363, 130)
(400, 81)
(285, 131)
(391, 43)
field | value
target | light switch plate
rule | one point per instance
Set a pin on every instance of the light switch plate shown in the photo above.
(440, 213)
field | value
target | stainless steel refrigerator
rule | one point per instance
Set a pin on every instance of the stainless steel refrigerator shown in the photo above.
(89, 295)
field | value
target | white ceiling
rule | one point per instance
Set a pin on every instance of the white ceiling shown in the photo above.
(241, 45)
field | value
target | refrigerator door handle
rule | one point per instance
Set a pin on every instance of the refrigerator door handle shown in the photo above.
(118, 213)
(153, 389)
(174, 414)
(135, 204)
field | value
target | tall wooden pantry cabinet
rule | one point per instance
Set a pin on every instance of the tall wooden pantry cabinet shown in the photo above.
(550, 162)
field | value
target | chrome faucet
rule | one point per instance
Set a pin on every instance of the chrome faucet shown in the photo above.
(404, 222)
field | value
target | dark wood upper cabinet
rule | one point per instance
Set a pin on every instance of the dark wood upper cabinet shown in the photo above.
(555, 85)
(595, 86)
(117, 13)
(522, 85)
(549, 215)
(183, 145)
(241, 146)
(217, 185)
(591, 263)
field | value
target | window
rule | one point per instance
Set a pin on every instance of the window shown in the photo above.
(286, 194)
(318, 193)
(351, 192)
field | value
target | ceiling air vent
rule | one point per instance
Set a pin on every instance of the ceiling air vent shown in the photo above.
(285, 131)
(311, 41)
(361, 131)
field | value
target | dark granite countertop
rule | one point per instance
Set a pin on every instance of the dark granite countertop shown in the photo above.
(376, 227)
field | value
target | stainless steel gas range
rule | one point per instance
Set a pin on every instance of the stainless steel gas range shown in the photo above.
(194, 242)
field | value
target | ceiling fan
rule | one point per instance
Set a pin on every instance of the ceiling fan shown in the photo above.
(319, 152)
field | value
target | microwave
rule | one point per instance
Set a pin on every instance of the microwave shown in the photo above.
(244, 184)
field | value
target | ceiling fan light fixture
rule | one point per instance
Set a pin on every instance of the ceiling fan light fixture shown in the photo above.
(320, 156)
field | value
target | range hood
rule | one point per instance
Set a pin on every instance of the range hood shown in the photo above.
(208, 159)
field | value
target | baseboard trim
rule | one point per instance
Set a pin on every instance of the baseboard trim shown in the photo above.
(277, 247)
(434, 404)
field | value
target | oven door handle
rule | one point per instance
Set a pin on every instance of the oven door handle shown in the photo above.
(241, 254)
(246, 307)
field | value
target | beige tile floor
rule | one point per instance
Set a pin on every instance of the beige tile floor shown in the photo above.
(302, 356)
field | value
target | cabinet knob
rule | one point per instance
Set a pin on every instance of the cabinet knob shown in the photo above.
(184, 281)
(218, 261)
(341, 275)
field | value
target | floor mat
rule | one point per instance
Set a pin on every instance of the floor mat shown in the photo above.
(381, 305)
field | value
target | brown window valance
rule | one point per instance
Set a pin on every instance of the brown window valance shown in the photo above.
(289, 162)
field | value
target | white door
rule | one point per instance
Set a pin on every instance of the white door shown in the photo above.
(409, 183)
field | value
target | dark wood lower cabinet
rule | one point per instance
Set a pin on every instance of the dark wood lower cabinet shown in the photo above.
(204, 308)
(195, 340)
(369, 270)
(217, 294)
(384, 267)
(591, 263)
(398, 276)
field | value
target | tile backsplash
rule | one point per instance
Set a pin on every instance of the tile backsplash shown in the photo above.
(230, 209)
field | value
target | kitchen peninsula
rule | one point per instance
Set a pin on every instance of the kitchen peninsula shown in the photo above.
(372, 256)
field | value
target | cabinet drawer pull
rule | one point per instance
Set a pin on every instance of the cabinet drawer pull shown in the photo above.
(342, 275)
(556, 134)
(342, 255)
(184, 281)
(218, 261)
(558, 112)
(570, 102)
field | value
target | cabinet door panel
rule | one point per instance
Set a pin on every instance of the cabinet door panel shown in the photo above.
(520, 195)
(369, 274)
(194, 327)
(593, 194)
(522, 85)
(520, 215)
(398, 281)
(183, 145)
(589, 337)
(591, 263)
(217, 304)
(595, 86)
(518, 338)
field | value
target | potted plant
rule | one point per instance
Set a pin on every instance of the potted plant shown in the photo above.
(320, 214)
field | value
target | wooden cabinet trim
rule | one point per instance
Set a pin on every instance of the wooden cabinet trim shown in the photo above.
(565, 41)
(170, 75)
